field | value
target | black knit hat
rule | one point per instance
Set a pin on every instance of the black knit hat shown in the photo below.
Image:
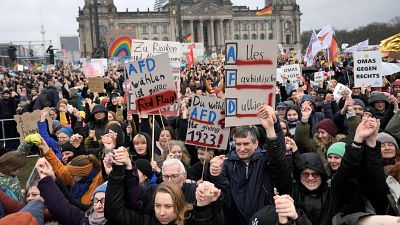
(145, 167)
(265, 216)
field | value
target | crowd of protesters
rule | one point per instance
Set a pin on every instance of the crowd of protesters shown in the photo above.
(313, 160)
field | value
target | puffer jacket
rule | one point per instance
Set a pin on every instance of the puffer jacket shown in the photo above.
(252, 185)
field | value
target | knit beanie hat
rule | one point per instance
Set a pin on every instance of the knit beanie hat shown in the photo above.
(329, 126)
(370, 110)
(337, 148)
(387, 138)
(67, 130)
(81, 166)
(67, 147)
(145, 167)
(359, 102)
(101, 188)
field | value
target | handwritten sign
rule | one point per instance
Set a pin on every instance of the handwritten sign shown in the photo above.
(27, 123)
(292, 72)
(337, 93)
(319, 78)
(249, 79)
(206, 117)
(96, 84)
(368, 69)
(152, 84)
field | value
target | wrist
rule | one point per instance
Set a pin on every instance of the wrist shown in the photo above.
(358, 139)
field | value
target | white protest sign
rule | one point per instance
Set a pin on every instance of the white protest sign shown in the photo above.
(292, 72)
(198, 49)
(319, 78)
(249, 79)
(153, 87)
(102, 62)
(206, 117)
(20, 68)
(147, 48)
(27, 123)
(337, 93)
(93, 69)
(368, 69)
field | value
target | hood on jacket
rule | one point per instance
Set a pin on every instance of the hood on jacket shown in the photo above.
(311, 160)
(309, 98)
(120, 134)
(96, 109)
(376, 97)
(148, 146)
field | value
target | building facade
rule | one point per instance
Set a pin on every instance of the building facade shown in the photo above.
(208, 21)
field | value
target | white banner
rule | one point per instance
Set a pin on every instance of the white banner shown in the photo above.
(206, 117)
(250, 79)
(151, 83)
(367, 69)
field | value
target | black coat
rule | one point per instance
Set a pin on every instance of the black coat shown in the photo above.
(117, 213)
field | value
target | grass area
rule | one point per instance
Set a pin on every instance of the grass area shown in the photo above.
(26, 171)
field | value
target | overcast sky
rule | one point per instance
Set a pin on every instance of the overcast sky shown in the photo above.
(20, 19)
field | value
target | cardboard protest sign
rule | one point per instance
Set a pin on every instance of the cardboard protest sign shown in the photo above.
(119, 42)
(147, 48)
(249, 79)
(206, 116)
(153, 87)
(292, 72)
(96, 84)
(27, 123)
(337, 93)
(368, 69)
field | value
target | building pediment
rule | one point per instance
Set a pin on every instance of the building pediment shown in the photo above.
(206, 8)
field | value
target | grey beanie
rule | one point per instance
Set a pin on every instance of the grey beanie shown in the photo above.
(359, 102)
(384, 138)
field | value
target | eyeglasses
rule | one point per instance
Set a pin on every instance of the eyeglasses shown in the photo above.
(307, 175)
(95, 201)
(172, 176)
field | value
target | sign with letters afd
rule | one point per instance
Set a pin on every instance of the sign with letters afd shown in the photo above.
(205, 125)
(151, 83)
(249, 79)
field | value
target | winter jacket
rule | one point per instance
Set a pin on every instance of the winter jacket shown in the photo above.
(59, 205)
(252, 185)
(62, 172)
(52, 96)
(53, 144)
(116, 211)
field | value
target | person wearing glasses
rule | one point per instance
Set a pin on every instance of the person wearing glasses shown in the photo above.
(61, 208)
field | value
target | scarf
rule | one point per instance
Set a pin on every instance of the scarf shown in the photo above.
(81, 187)
(93, 220)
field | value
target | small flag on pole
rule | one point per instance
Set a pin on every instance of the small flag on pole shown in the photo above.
(265, 11)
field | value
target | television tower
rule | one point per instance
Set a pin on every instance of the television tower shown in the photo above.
(43, 32)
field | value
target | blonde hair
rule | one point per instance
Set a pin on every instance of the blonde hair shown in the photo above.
(178, 199)
(185, 154)
(139, 138)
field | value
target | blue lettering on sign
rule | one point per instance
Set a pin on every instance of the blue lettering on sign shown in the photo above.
(231, 107)
(149, 64)
(231, 78)
(231, 53)
(203, 115)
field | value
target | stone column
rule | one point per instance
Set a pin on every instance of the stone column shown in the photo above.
(212, 41)
(232, 30)
(222, 32)
(192, 30)
(297, 30)
(258, 29)
(201, 39)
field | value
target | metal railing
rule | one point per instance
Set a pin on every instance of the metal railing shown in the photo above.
(3, 139)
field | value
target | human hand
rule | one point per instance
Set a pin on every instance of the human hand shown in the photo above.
(306, 110)
(366, 128)
(267, 117)
(76, 140)
(43, 114)
(206, 193)
(44, 169)
(216, 165)
(285, 208)
(121, 157)
(155, 167)
(107, 162)
(107, 141)
(290, 144)
(43, 147)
